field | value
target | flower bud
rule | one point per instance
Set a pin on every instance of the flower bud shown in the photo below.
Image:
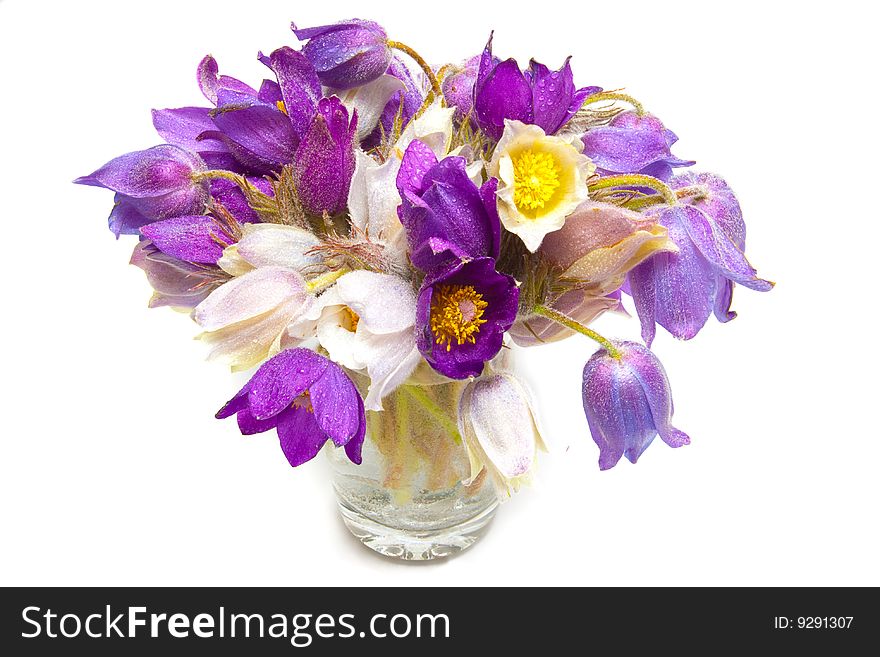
(346, 54)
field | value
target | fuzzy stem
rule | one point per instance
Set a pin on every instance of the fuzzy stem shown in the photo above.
(635, 180)
(201, 176)
(694, 192)
(610, 95)
(568, 322)
(431, 406)
(318, 283)
(436, 91)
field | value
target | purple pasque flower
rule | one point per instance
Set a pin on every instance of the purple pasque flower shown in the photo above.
(324, 161)
(458, 87)
(538, 95)
(462, 312)
(262, 131)
(346, 54)
(446, 216)
(153, 184)
(633, 144)
(307, 399)
(628, 402)
(175, 283)
(680, 290)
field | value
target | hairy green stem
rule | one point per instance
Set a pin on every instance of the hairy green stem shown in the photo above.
(610, 95)
(436, 91)
(635, 180)
(568, 322)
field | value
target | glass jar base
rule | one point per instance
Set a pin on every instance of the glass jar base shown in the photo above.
(416, 545)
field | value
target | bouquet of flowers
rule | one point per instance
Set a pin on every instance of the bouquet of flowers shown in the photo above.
(375, 234)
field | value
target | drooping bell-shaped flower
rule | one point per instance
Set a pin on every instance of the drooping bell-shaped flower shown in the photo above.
(500, 430)
(680, 290)
(462, 313)
(633, 144)
(157, 183)
(307, 399)
(628, 402)
(445, 214)
(346, 54)
(537, 96)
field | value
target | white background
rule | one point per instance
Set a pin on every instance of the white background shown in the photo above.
(114, 471)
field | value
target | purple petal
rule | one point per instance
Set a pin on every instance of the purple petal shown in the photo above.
(354, 447)
(260, 136)
(417, 161)
(624, 150)
(211, 84)
(230, 196)
(300, 436)
(125, 219)
(502, 92)
(718, 249)
(283, 378)
(299, 84)
(249, 425)
(723, 299)
(325, 158)
(553, 96)
(270, 93)
(153, 172)
(601, 410)
(338, 405)
(190, 238)
(651, 375)
(182, 126)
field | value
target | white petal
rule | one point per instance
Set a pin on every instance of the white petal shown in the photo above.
(255, 293)
(232, 263)
(433, 127)
(264, 245)
(384, 303)
(337, 339)
(369, 101)
(390, 360)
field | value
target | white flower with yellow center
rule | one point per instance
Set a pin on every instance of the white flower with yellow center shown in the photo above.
(541, 180)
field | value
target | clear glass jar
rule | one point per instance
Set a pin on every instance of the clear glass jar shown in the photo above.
(407, 499)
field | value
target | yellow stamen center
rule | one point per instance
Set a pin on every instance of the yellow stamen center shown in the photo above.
(456, 314)
(303, 401)
(280, 105)
(353, 319)
(535, 179)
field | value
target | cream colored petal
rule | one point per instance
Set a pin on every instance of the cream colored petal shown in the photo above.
(433, 127)
(605, 268)
(336, 337)
(255, 293)
(384, 303)
(247, 343)
(232, 263)
(591, 226)
(266, 245)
